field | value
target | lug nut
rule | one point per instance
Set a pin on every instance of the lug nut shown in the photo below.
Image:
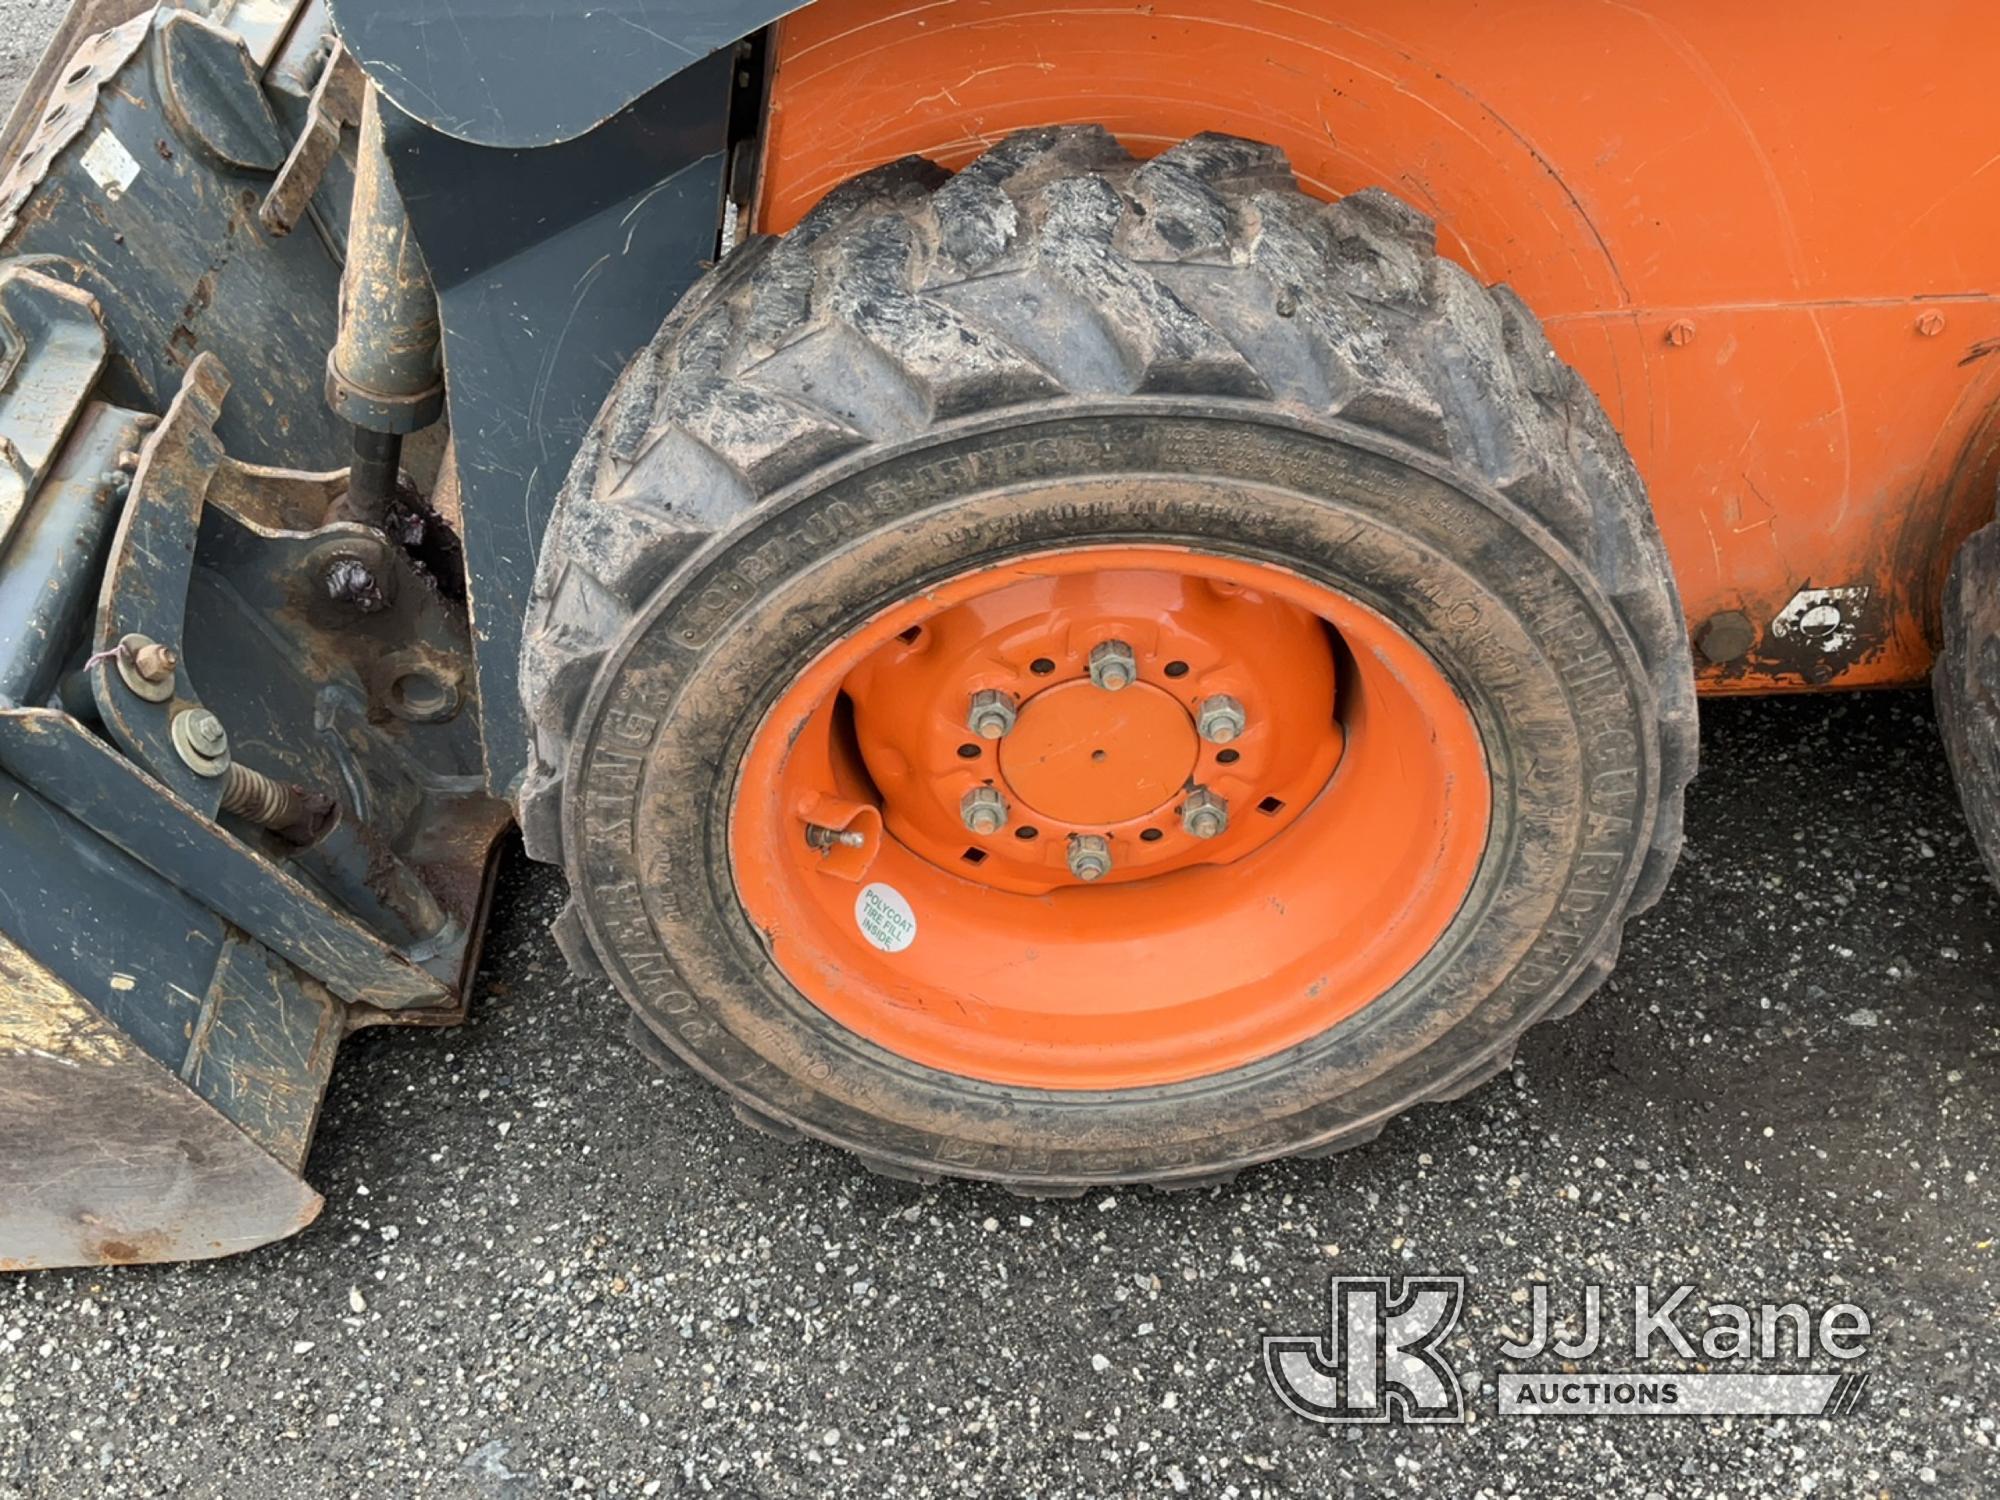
(1204, 814)
(984, 810)
(1113, 666)
(1089, 856)
(991, 715)
(1220, 718)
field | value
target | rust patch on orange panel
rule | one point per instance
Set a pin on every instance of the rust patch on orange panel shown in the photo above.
(1772, 256)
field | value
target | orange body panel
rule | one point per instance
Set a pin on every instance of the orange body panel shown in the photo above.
(1767, 235)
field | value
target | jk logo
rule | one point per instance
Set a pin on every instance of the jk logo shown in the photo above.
(1379, 1359)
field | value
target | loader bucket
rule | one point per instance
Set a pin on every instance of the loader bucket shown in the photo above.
(109, 1154)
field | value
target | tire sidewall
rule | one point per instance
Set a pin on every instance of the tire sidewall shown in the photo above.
(1558, 691)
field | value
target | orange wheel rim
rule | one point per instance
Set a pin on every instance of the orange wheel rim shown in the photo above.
(967, 840)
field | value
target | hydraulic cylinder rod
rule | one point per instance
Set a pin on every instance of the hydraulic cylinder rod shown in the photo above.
(384, 374)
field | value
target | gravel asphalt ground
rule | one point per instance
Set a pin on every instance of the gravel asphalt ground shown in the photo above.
(545, 1268)
(25, 28)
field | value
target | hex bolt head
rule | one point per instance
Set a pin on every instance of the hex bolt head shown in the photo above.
(349, 580)
(1113, 666)
(205, 732)
(154, 662)
(1203, 814)
(199, 740)
(991, 714)
(984, 810)
(1089, 856)
(1220, 718)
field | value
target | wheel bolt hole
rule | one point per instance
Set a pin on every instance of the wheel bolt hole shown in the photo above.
(968, 751)
(1041, 666)
(1152, 836)
(1097, 755)
(1027, 833)
(1228, 757)
(1271, 806)
(1177, 669)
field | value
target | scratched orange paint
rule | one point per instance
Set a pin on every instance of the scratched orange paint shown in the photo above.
(1801, 183)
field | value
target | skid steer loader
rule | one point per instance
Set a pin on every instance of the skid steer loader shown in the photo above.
(1083, 594)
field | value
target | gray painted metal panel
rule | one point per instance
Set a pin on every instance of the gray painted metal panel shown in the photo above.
(134, 188)
(57, 759)
(508, 74)
(553, 267)
(140, 951)
(146, 581)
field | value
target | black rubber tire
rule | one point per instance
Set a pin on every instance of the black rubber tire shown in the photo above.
(893, 393)
(1965, 685)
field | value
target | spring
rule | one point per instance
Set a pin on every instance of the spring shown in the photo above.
(253, 795)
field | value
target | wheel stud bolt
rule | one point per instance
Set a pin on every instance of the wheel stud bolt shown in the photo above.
(984, 810)
(1113, 666)
(1220, 719)
(991, 715)
(1204, 814)
(1089, 856)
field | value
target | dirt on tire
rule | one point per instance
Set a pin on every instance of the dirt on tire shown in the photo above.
(1965, 684)
(776, 464)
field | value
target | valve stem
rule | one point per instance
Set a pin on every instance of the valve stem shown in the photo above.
(822, 838)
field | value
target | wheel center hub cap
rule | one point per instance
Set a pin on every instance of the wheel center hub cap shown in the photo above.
(1082, 755)
(1095, 728)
